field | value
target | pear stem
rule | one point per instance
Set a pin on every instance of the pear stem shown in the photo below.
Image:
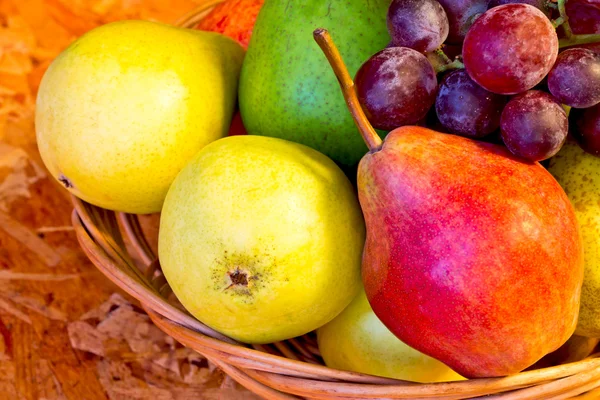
(325, 42)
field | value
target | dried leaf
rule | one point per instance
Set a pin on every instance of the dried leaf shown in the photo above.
(35, 76)
(146, 338)
(122, 391)
(16, 184)
(15, 84)
(228, 383)
(212, 367)
(16, 63)
(85, 337)
(122, 321)
(115, 370)
(17, 29)
(156, 375)
(119, 383)
(168, 362)
(237, 393)
(103, 7)
(116, 348)
(114, 301)
(195, 375)
(77, 20)
(180, 354)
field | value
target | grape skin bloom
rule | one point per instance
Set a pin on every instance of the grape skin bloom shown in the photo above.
(465, 108)
(575, 78)
(534, 125)
(461, 15)
(510, 48)
(396, 87)
(585, 125)
(421, 25)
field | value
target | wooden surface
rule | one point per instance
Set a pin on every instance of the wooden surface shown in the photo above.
(66, 332)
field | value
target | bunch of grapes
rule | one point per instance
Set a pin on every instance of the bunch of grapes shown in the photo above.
(526, 70)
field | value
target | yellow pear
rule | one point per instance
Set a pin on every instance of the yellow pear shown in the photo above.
(261, 238)
(356, 340)
(128, 104)
(579, 174)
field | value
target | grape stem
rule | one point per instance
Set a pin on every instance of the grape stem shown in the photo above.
(445, 64)
(571, 39)
(326, 43)
(456, 64)
(575, 40)
(563, 14)
(558, 22)
(443, 55)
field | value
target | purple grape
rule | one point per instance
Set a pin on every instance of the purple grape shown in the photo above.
(534, 125)
(542, 5)
(421, 25)
(510, 48)
(461, 15)
(595, 47)
(584, 16)
(467, 109)
(575, 78)
(396, 87)
(585, 126)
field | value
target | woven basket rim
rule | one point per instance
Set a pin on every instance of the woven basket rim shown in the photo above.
(265, 369)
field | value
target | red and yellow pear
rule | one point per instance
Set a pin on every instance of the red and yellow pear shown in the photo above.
(473, 256)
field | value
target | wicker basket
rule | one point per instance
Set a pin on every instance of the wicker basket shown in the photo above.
(291, 369)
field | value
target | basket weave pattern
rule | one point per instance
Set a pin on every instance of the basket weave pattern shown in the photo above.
(292, 369)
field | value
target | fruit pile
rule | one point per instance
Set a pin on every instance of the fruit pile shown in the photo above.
(508, 50)
(445, 250)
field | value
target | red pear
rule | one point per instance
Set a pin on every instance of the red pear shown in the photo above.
(473, 256)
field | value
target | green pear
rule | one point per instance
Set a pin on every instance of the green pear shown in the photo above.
(579, 174)
(287, 89)
(124, 108)
(356, 340)
(261, 239)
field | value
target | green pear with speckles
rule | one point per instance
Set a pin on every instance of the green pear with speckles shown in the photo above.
(261, 238)
(579, 174)
(123, 109)
(287, 88)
